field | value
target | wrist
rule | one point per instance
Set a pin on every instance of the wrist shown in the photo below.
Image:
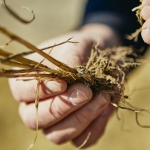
(102, 32)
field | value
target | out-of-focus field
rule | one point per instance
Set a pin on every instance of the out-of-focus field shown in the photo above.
(55, 17)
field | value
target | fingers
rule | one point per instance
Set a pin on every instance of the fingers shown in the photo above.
(145, 2)
(145, 13)
(73, 125)
(54, 109)
(146, 31)
(96, 128)
(25, 91)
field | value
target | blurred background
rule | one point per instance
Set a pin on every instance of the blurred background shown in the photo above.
(55, 17)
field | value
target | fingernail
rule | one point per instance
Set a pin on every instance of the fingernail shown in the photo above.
(98, 102)
(52, 87)
(77, 97)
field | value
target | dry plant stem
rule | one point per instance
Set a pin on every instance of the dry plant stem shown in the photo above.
(7, 56)
(127, 108)
(22, 61)
(35, 49)
(138, 13)
(93, 75)
(2, 46)
(138, 123)
(34, 72)
(18, 62)
(97, 74)
(17, 16)
(136, 111)
(15, 64)
(134, 36)
(30, 52)
(36, 107)
(67, 41)
(85, 141)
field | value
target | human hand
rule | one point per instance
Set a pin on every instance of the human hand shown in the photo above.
(145, 13)
(59, 118)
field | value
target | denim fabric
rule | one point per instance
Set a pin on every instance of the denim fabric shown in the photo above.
(116, 14)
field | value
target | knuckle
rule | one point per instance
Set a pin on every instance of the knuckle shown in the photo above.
(20, 90)
(28, 119)
(16, 96)
(145, 13)
(146, 37)
(14, 91)
(57, 110)
(29, 123)
(81, 119)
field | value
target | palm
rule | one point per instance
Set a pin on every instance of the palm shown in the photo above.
(63, 111)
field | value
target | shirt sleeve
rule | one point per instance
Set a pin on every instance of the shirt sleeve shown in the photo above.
(117, 14)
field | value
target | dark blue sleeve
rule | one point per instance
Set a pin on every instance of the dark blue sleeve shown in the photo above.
(115, 13)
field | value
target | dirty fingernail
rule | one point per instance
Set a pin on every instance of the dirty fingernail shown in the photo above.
(52, 87)
(77, 97)
(98, 102)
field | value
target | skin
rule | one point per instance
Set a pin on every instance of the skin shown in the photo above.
(145, 13)
(69, 113)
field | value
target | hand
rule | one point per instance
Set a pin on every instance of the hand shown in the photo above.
(145, 13)
(67, 112)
